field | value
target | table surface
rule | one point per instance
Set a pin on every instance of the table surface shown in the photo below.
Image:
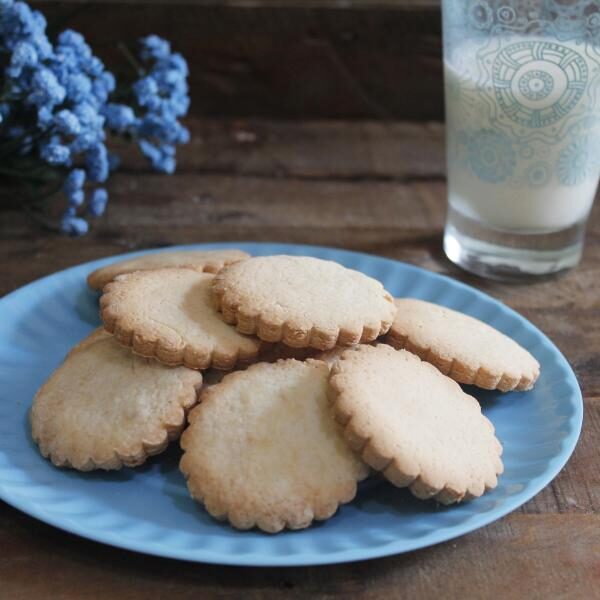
(368, 186)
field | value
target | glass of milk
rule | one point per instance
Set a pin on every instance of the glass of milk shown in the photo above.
(522, 83)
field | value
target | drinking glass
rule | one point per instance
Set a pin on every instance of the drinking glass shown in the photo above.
(522, 91)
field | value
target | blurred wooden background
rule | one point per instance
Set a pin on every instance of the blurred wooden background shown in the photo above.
(294, 59)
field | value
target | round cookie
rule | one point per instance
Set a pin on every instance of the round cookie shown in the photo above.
(303, 301)
(208, 261)
(105, 408)
(262, 448)
(168, 314)
(414, 424)
(462, 347)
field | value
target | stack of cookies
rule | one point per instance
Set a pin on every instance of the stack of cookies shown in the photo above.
(292, 379)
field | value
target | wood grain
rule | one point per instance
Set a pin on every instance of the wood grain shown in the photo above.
(282, 59)
(522, 556)
(368, 186)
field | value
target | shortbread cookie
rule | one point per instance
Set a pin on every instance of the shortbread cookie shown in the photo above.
(105, 408)
(414, 424)
(168, 314)
(207, 261)
(263, 450)
(462, 347)
(303, 301)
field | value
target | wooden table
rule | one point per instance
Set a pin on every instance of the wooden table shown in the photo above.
(374, 187)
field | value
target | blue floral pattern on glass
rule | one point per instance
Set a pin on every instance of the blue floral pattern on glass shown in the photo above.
(491, 155)
(526, 73)
(538, 81)
(574, 164)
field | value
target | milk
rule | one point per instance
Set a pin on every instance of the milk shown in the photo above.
(523, 117)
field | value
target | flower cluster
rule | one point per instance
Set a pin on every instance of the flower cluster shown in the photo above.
(56, 108)
(161, 97)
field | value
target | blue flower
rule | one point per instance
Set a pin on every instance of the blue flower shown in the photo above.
(74, 181)
(491, 155)
(89, 116)
(97, 203)
(24, 55)
(97, 163)
(93, 66)
(44, 117)
(162, 94)
(67, 122)
(92, 127)
(73, 225)
(102, 86)
(55, 153)
(78, 86)
(146, 90)
(76, 198)
(56, 106)
(150, 151)
(161, 157)
(154, 47)
(119, 117)
(46, 89)
(19, 23)
(177, 62)
(73, 39)
(84, 141)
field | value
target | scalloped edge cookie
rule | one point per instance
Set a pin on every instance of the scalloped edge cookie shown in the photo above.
(205, 261)
(303, 301)
(462, 347)
(143, 312)
(366, 385)
(262, 449)
(57, 436)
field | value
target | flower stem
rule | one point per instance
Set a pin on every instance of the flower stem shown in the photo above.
(25, 174)
(131, 59)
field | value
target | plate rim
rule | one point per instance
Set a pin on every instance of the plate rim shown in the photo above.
(306, 559)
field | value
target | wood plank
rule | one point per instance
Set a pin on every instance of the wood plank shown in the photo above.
(289, 61)
(351, 151)
(521, 556)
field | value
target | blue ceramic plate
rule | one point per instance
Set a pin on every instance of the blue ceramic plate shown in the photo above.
(148, 509)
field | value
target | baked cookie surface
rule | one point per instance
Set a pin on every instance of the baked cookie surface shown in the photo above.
(262, 448)
(462, 347)
(168, 314)
(414, 424)
(303, 301)
(208, 261)
(105, 408)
